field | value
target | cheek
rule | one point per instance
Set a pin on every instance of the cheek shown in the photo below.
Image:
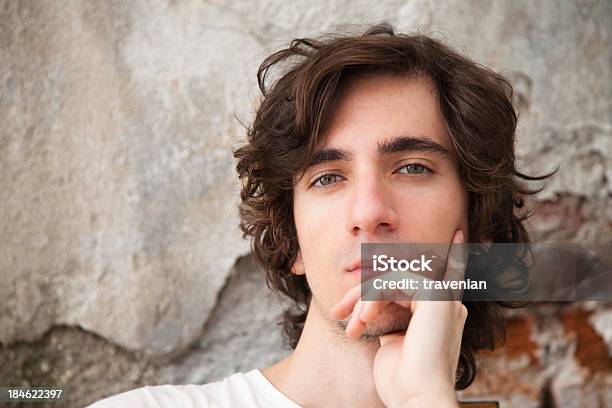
(309, 219)
(316, 230)
(435, 214)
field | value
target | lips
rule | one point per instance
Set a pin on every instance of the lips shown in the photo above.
(364, 273)
(436, 259)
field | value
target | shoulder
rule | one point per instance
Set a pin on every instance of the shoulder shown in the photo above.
(223, 393)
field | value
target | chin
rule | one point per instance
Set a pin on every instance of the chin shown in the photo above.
(394, 318)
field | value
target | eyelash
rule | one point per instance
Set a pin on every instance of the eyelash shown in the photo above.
(424, 173)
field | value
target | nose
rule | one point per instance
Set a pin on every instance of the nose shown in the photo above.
(371, 212)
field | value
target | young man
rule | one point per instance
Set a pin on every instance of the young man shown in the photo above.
(366, 139)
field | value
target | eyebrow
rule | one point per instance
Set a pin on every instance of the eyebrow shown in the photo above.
(392, 145)
(412, 143)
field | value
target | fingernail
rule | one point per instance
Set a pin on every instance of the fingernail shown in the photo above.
(359, 309)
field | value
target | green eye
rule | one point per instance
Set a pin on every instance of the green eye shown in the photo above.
(325, 180)
(413, 168)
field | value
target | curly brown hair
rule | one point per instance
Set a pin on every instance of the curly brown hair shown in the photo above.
(295, 110)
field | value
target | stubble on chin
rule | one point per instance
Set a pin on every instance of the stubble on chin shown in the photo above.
(393, 318)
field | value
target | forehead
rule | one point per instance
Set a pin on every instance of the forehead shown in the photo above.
(379, 107)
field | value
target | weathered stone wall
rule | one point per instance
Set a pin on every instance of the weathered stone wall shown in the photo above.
(120, 256)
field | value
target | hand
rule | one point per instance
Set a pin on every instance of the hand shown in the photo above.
(416, 368)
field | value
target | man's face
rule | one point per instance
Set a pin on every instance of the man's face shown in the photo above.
(371, 183)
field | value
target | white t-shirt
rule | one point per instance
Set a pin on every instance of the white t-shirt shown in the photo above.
(250, 390)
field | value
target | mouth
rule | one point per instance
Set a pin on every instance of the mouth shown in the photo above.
(361, 274)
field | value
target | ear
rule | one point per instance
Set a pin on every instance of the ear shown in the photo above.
(298, 265)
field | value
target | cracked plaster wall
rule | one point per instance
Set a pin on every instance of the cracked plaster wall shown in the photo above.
(118, 220)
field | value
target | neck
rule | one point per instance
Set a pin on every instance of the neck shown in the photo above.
(327, 368)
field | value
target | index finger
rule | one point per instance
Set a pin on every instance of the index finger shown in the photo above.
(456, 262)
